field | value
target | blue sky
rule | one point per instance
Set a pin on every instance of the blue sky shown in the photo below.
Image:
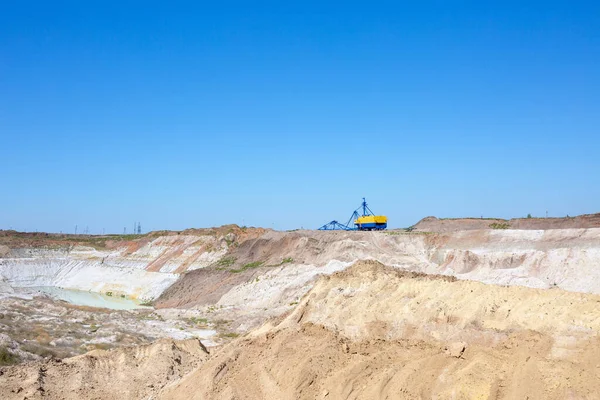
(285, 115)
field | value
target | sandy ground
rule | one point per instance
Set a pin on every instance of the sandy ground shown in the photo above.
(369, 332)
(43, 327)
(433, 224)
(495, 313)
(373, 333)
(130, 373)
(564, 259)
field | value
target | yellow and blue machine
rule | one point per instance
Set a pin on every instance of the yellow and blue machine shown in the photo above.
(368, 221)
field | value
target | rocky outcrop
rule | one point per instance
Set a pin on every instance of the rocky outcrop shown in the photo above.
(199, 270)
(137, 271)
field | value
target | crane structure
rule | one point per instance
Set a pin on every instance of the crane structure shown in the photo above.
(368, 221)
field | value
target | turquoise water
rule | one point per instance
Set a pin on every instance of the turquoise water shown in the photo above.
(90, 299)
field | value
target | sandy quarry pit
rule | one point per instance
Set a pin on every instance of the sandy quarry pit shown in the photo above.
(485, 298)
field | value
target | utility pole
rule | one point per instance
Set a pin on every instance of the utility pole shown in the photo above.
(125, 231)
(76, 229)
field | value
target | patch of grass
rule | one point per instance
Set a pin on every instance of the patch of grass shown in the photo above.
(407, 231)
(41, 334)
(229, 335)
(109, 293)
(287, 260)
(43, 351)
(198, 321)
(226, 262)
(8, 358)
(500, 225)
(149, 317)
(124, 339)
(248, 266)
(393, 233)
(146, 302)
(102, 346)
(221, 323)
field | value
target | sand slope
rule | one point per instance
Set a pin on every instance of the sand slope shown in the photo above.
(373, 332)
(128, 373)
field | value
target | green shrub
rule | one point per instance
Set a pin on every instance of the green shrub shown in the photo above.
(251, 265)
(43, 351)
(146, 302)
(198, 321)
(229, 335)
(7, 358)
(226, 261)
(393, 233)
(500, 225)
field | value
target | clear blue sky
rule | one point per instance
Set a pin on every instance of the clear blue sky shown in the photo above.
(285, 115)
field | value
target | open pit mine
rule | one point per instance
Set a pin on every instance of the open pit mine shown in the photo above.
(450, 309)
